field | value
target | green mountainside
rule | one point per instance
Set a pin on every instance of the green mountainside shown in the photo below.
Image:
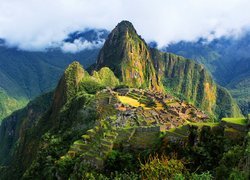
(9, 104)
(14, 127)
(54, 112)
(190, 81)
(25, 75)
(228, 60)
(108, 124)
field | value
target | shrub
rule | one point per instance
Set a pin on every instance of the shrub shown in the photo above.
(91, 86)
(161, 168)
(203, 176)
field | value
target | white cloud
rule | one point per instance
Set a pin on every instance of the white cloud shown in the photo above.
(35, 24)
(79, 45)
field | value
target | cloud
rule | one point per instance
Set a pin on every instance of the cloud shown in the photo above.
(79, 45)
(79, 41)
(36, 25)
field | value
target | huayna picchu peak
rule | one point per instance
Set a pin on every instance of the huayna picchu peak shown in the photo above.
(125, 53)
(137, 113)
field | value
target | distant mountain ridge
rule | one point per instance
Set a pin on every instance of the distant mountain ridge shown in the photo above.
(27, 74)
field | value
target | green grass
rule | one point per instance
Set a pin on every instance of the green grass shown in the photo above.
(205, 124)
(130, 101)
(239, 121)
(182, 130)
(134, 95)
(231, 130)
(175, 134)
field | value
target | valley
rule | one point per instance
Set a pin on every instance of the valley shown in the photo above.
(27, 74)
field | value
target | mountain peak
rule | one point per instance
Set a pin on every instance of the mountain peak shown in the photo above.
(122, 31)
(68, 84)
(124, 26)
(128, 56)
(125, 23)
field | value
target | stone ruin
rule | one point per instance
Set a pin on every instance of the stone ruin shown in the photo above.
(175, 112)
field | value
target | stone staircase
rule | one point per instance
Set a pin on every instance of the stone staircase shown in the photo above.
(94, 146)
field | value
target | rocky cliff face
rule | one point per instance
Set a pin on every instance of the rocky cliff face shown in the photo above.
(191, 81)
(136, 65)
(128, 56)
(15, 127)
(184, 76)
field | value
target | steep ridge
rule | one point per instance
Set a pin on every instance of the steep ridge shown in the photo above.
(127, 55)
(25, 75)
(136, 65)
(68, 85)
(191, 81)
(15, 126)
(227, 59)
(57, 111)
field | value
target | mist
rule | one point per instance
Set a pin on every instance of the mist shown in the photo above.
(37, 25)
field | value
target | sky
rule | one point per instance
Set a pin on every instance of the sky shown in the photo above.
(36, 25)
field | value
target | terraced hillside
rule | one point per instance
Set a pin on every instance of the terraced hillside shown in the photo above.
(137, 113)
(139, 127)
(95, 145)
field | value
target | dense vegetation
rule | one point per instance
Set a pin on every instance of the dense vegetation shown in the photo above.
(13, 127)
(105, 124)
(72, 86)
(200, 151)
(26, 74)
(227, 58)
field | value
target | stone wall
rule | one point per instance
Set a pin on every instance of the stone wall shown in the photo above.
(234, 126)
(161, 128)
(140, 138)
